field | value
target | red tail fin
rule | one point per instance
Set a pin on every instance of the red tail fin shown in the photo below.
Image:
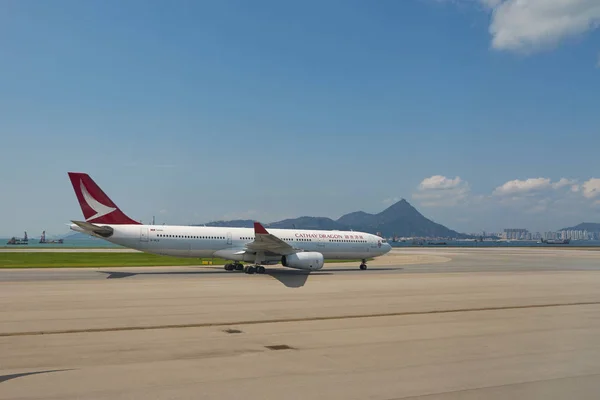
(95, 204)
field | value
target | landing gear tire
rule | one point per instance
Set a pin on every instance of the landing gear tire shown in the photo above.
(229, 267)
(260, 269)
(363, 264)
(249, 269)
(238, 267)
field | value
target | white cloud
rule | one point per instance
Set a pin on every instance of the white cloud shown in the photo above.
(519, 187)
(531, 25)
(536, 203)
(563, 182)
(439, 182)
(591, 188)
(516, 189)
(539, 206)
(440, 191)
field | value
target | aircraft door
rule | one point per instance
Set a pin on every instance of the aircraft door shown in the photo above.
(229, 238)
(372, 243)
(321, 242)
(143, 234)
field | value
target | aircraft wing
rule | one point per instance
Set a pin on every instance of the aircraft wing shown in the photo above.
(264, 241)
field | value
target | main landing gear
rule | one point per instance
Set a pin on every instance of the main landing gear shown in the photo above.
(234, 267)
(248, 269)
(251, 269)
(363, 264)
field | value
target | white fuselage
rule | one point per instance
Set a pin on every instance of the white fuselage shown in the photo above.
(229, 243)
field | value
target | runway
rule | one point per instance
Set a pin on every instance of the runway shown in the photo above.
(420, 323)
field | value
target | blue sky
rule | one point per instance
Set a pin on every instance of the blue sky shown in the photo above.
(194, 111)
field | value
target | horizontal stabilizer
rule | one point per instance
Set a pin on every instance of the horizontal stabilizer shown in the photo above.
(104, 231)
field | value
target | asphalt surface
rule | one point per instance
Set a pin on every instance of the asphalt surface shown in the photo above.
(398, 261)
(420, 323)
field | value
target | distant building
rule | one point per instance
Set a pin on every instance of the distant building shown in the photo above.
(516, 234)
(575, 235)
(551, 235)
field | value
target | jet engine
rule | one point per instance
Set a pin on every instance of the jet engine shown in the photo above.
(310, 260)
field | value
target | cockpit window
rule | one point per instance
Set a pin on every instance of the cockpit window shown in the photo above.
(383, 241)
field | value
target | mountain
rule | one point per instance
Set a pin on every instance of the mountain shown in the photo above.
(400, 219)
(308, 223)
(584, 226)
(355, 218)
(75, 236)
(236, 223)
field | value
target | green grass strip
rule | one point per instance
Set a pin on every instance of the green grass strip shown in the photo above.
(95, 260)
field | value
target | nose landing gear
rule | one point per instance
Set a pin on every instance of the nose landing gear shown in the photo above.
(363, 265)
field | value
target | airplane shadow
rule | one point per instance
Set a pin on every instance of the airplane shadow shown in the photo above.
(293, 279)
(289, 278)
(119, 275)
(4, 378)
(364, 272)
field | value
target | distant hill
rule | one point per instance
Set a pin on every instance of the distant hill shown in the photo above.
(584, 226)
(308, 223)
(400, 219)
(75, 236)
(236, 223)
(355, 218)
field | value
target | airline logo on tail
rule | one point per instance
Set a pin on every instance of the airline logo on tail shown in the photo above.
(96, 206)
(101, 209)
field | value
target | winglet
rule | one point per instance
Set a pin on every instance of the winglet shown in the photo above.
(259, 229)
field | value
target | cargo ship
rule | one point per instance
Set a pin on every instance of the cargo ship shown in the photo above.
(437, 243)
(15, 241)
(556, 241)
(44, 241)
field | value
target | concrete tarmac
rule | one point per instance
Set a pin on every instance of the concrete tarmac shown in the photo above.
(419, 324)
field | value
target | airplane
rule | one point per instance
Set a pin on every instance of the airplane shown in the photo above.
(293, 248)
